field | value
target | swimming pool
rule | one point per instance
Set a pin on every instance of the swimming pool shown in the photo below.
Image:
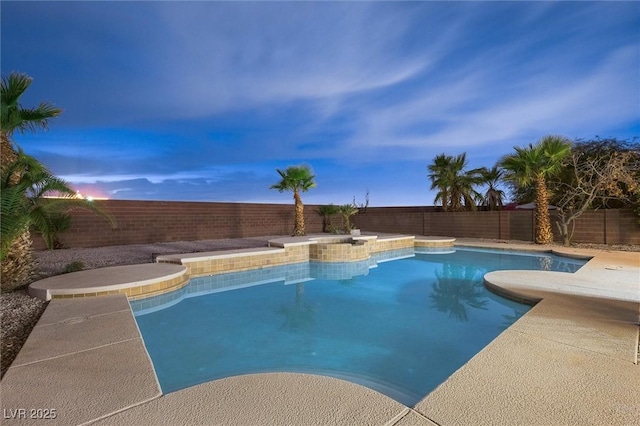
(400, 327)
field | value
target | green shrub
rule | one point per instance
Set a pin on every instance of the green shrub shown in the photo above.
(73, 267)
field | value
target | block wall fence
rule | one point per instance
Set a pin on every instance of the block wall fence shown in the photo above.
(618, 226)
(140, 222)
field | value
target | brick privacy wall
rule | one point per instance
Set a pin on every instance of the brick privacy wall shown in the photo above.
(618, 226)
(463, 224)
(141, 222)
(401, 220)
(520, 225)
(600, 226)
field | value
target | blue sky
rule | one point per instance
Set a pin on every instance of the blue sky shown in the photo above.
(202, 101)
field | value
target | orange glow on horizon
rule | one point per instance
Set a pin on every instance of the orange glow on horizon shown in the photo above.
(88, 192)
(89, 195)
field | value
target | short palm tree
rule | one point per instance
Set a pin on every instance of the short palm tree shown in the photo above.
(455, 185)
(346, 211)
(534, 165)
(493, 197)
(326, 212)
(296, 179)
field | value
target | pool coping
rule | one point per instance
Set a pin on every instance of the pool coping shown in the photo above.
(541, 347)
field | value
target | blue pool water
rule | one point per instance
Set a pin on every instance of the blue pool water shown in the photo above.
(400, 328)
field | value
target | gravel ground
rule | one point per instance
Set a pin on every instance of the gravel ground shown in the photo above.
(54, 262)
(20, 312)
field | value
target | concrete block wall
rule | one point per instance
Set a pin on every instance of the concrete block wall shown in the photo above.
(140, 222)
(600, 226)
(519, 225)
(396, 220)
(463, 224)
(627, 230)
(619, 226)
(162, 221)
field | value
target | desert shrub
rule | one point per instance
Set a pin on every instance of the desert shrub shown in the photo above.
(73, 267)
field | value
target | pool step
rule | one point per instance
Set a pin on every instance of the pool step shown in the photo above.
(132, 280)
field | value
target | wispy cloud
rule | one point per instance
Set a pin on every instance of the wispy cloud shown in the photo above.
(243, 55)
(202, 100)
(479, 108)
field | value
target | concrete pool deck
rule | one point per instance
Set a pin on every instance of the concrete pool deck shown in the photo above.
(572, 359)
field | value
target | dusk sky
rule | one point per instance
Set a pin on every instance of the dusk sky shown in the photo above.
(202, 101)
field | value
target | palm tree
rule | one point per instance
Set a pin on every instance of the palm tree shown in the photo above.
(494, 196)
(533, 166)
(17, 265)
(347, 210)
(440, 171)
(24, 186)
(296, 179)
(14, 117)
(455, 184)
(326, 212)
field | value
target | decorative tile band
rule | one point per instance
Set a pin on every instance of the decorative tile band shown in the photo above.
(339, 252)
(135, 292)
(393, 244)
(434, 243)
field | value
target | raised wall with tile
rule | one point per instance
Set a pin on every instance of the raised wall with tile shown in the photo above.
(339, 257)
(237, 260)
(393, 244)
(338, 252)
(163, 286)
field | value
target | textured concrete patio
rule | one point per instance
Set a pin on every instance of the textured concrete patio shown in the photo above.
(572, 359)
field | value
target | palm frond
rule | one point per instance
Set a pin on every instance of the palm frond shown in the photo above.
(295, 178)
(30, 181)
(14, 216)
(12, 116)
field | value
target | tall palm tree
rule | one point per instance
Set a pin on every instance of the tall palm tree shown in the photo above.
(533, 166)
(455, 184)
(17, 265)
(13, 117)
(440, 179)
(24, 186)
(296, 179)
(493, 197)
